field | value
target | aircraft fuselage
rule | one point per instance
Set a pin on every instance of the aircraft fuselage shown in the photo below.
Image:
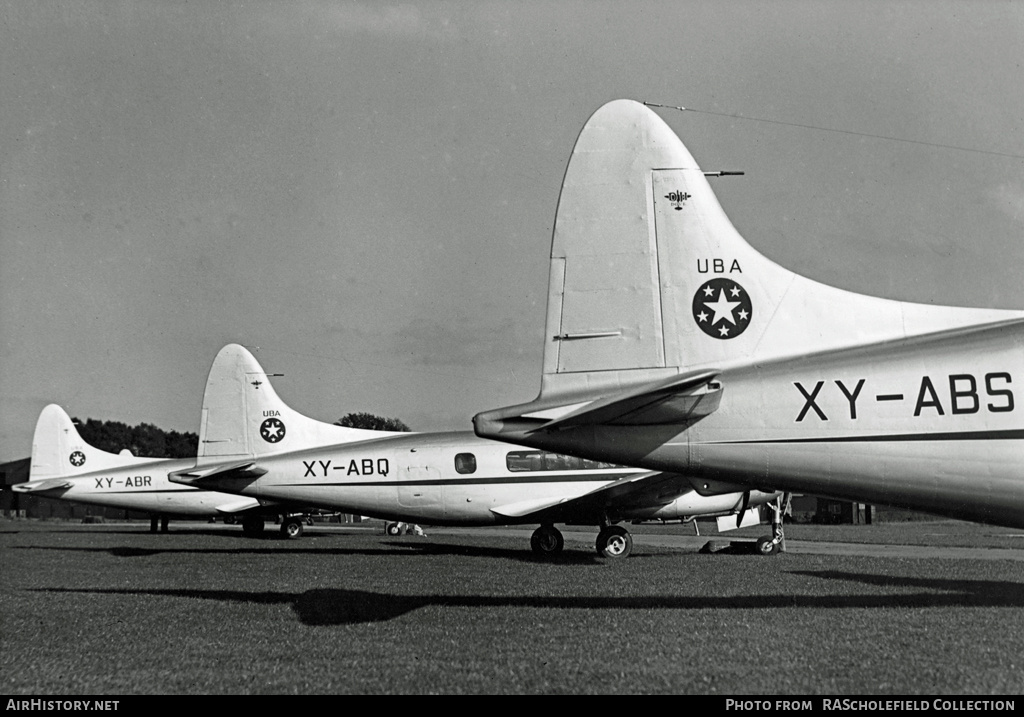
(446, 479)
(934, 423)
(142, 487)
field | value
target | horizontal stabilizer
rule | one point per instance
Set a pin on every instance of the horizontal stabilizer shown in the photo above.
(239, 506)
(37, 486)
(678, 400)
(245, 469)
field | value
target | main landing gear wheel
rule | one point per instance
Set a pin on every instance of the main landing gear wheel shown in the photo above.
(252, 526)
(547, 540)
(614, 542)
(393, 528)
(291, 528)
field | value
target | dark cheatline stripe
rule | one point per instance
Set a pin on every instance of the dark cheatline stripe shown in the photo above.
(1009, 435)
(512, 479)
(147, 492)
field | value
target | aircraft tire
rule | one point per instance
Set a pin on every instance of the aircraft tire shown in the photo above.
(765, 546)
(614, 542)
(393, 528)
(291, 528)
(547, 540)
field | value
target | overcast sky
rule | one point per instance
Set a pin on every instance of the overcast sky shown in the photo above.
(363, 193)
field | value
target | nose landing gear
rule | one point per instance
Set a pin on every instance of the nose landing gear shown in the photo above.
(776, 543)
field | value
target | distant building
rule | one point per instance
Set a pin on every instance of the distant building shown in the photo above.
(12, 473)
(829, 511)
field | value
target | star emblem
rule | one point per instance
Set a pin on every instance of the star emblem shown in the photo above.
(77, 459)
(722, 309)
(272, 430)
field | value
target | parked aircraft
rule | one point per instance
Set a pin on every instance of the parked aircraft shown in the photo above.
(673, 345)
(252, 444)
(65, 467)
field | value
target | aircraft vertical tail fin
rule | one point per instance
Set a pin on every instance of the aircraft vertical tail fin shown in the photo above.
(243, 416)
(58, 450)
(649, 278)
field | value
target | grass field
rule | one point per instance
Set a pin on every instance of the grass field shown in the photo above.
(108, 609)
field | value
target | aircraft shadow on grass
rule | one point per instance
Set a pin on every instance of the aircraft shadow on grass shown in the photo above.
(226, 532)
(391, 549)
(334, 606)
(1002, 593)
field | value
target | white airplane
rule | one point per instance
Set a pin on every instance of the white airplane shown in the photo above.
(65, 467)
(252, 444)
(673, 345)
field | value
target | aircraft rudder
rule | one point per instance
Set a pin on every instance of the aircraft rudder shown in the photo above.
(49, 444)
(635, 210)
(649, 277)
(58, 450)
(223, 429)
(243, 416)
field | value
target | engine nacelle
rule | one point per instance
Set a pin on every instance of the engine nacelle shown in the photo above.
(693, 503)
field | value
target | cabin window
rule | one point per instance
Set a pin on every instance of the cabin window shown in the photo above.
(465, 463)
(524, 461)
(543, 461)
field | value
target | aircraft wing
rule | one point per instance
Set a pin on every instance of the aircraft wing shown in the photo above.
(221, 471)
(648, 489)
(239, 506)
(680, 399)
(37, 486)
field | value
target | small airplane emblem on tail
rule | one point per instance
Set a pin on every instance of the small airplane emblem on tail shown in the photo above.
(678, 199)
